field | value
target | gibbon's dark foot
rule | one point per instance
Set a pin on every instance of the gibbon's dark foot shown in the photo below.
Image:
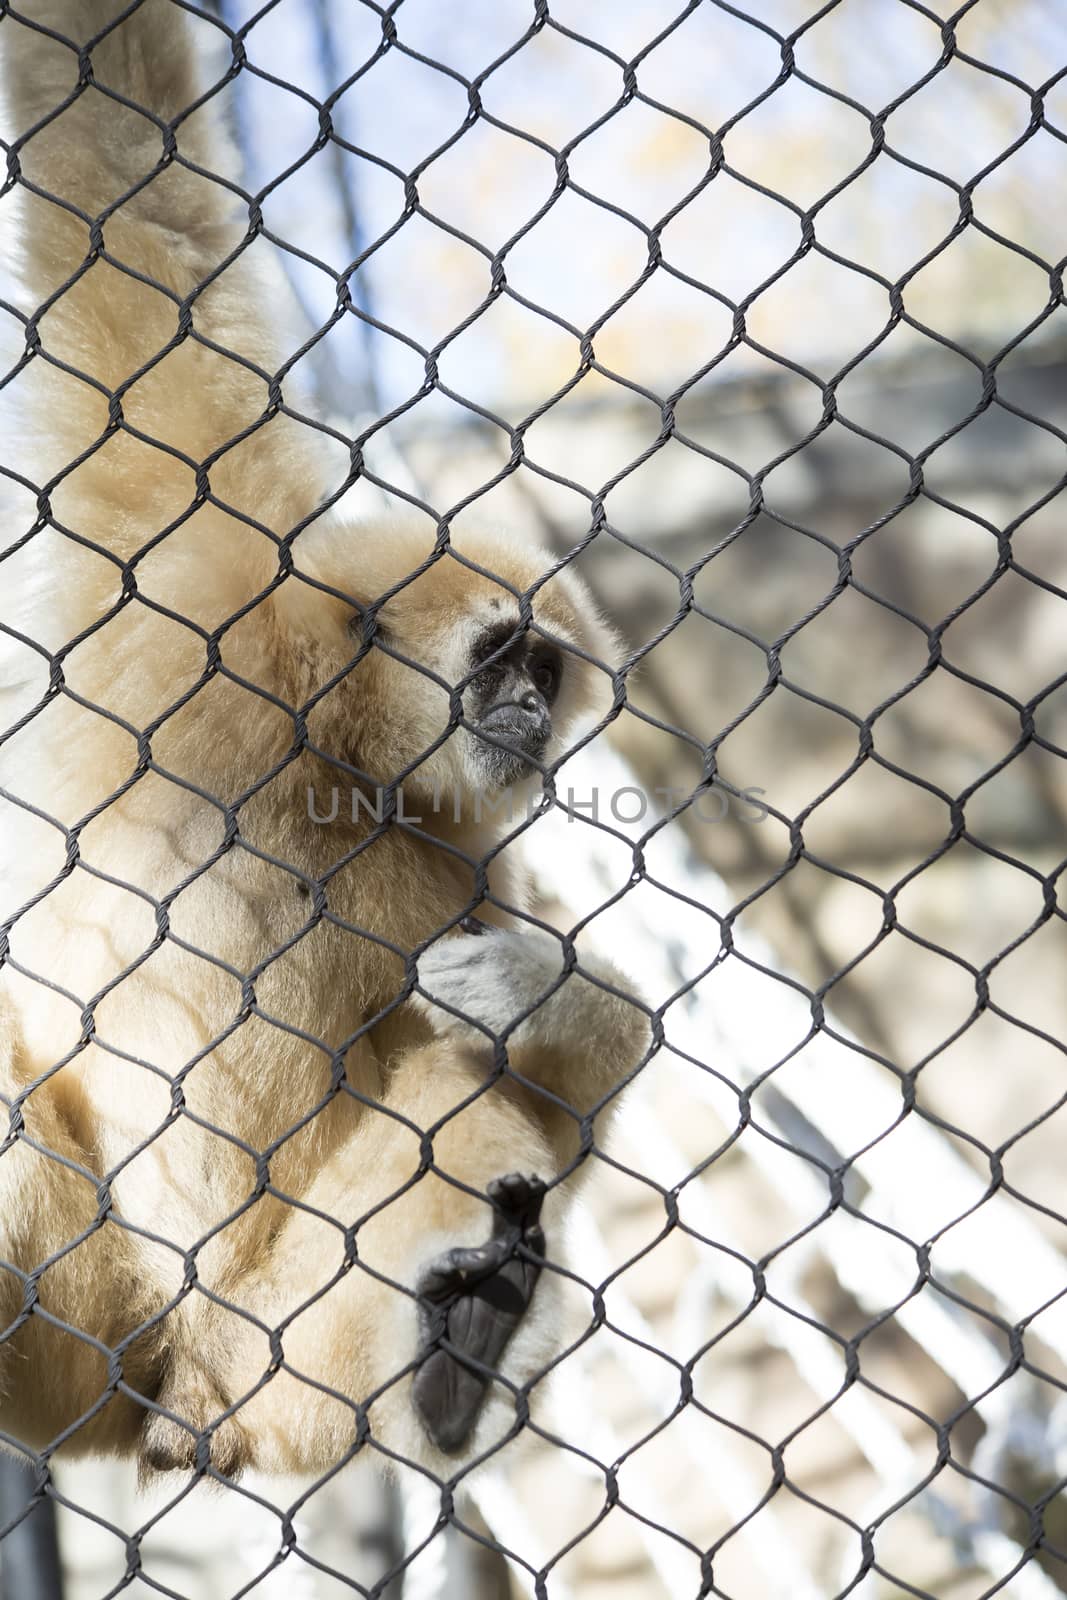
(166, 1446)
(475, 1299)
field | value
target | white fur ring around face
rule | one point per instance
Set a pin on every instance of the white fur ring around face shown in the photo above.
(492, 978)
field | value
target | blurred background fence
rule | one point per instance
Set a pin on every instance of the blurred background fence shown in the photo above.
(759, 309)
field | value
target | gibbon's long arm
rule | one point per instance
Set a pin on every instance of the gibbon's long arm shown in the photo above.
(101, 105)
(155, 317)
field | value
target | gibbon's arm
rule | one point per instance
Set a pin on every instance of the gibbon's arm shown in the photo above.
(128, 259)
(90, 150)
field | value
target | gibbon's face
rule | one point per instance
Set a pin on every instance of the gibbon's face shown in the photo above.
(515, 682)
(452, 630)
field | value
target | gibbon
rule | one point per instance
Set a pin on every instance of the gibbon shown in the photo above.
(261, 1200)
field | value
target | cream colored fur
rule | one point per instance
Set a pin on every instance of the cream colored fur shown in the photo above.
(184, 1007)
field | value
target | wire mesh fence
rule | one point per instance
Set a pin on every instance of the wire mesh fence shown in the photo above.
(494, 1108)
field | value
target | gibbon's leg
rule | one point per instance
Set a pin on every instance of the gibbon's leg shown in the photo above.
(422, 1234)
(340, 1288)
(94, 1287)
(445, 1244)
(473, 1300)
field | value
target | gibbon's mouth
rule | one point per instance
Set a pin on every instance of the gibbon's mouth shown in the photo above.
(524, 737)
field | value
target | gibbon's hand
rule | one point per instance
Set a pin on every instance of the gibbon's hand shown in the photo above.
(492, 978)
(470, 1303)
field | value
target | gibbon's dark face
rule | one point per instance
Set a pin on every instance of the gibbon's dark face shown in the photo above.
(515, 682)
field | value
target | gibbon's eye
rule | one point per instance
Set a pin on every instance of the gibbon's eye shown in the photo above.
(546, 670)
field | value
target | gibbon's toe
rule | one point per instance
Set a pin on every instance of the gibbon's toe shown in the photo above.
(470, 1303)
(175, 1446)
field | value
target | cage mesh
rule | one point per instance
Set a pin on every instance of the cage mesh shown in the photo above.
(1008, 1535)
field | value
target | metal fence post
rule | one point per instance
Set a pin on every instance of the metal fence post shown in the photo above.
(29, 1554)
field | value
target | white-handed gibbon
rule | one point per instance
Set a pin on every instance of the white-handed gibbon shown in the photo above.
(258, 1200)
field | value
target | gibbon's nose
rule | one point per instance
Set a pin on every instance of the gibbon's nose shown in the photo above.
(524, 722)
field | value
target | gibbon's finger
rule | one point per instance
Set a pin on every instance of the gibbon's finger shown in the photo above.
(472, 1301)
(517, 1199)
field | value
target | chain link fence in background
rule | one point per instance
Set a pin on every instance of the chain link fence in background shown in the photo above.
(754, 314)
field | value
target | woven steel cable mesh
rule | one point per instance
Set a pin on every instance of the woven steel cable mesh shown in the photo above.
(1034, 1543)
